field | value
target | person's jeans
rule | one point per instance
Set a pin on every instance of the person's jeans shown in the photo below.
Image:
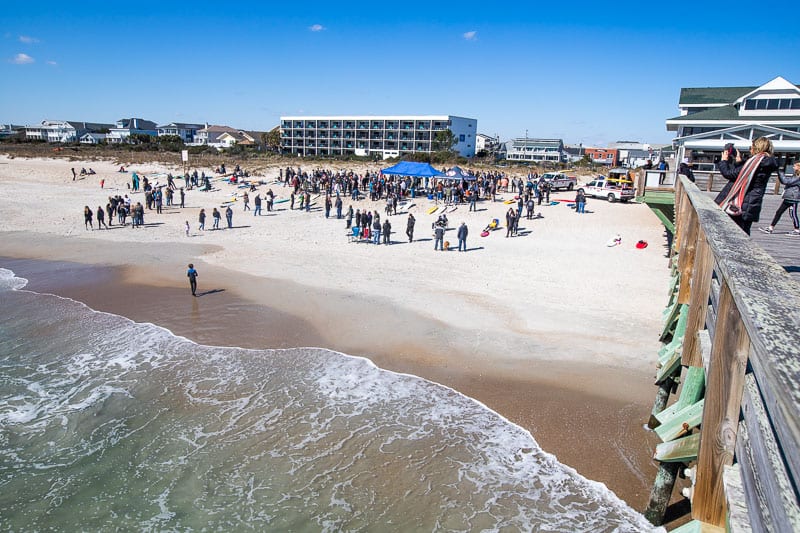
(257, 210)
(438, 243)
(216, 223)
(581, 207)
(462, 242)
(376, 236)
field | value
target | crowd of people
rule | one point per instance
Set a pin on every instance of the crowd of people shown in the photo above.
(305, 187)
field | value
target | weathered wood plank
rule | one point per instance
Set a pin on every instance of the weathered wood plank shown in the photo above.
(689, 237)
(698, 303)
(758, 513)
(770, 492)
(767, 299)
(721, 414)
(680, 450)
(705, 348)
(681, 422)
(738, 519)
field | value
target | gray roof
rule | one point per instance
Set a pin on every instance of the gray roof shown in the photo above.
(730, 113)
(712, 95)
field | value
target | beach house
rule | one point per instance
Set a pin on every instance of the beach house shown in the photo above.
(222, 137)
(63, 131)
(378, 136)
(185, 131)
(711, 117)
(93, 138)
(537, 150)
(127, 127)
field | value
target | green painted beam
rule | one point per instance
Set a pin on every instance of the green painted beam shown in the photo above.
(682, 421)
(691, 392)
(678, 451)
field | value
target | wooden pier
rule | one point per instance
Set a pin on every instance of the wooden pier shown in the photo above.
(731, 357)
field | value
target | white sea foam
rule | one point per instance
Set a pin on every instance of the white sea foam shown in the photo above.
(9, 281)
(197, 437)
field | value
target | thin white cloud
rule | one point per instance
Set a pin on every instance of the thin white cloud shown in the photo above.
(22, 59)
(471, 35)
(28, 39)
(52, 63)
(316, 27)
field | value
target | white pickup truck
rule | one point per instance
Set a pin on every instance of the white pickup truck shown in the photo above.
(559, 180)
(612, 189)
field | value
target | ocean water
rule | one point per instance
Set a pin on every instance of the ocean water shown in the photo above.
(110, 424)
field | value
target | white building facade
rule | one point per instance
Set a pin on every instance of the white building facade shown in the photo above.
(185, 131)
(379, 136)
(62, 131)
(537, 150)
(712, 117)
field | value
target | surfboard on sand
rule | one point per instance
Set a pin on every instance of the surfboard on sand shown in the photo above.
(280, 201)
(510, 202)
(432, 210)
(616, 240)
(484, 233)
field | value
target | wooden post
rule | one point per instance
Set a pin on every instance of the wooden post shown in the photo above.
(689, 235)
(698, 301)
(721, 412)
(662, 397)
(661, 492)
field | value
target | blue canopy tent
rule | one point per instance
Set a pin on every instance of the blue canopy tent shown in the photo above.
(415, 170)
(457, 173)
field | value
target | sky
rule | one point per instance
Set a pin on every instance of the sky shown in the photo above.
(588, 73)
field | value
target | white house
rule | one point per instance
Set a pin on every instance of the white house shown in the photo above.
(711, 117)
(185, 131)
(537, 150)
(379, 136)
(62, 131)
(93, 138)
(486, 142)
(126, 127)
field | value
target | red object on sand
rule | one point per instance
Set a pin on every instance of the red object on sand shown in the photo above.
(484, 233)
(641, 245)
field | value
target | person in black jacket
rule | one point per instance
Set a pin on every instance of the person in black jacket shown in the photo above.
(754, 196)
(685, 169)
(791, 200)
(463, 231)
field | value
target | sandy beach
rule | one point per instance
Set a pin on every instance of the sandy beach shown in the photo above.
(552, 329)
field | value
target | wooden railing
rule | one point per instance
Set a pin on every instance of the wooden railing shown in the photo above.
(741, 336)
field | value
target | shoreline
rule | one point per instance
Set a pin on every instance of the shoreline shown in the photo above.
(570, 412)
(553, 330)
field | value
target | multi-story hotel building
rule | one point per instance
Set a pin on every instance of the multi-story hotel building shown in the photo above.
(381, 136)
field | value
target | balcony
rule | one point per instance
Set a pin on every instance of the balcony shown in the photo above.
(349, 125)
(336, 125)
(423, 125)
(406, 125)
(376, 125)
(363, 125)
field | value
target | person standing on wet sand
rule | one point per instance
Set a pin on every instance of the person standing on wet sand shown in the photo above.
(192, 275)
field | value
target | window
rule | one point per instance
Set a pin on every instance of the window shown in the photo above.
(461, 138)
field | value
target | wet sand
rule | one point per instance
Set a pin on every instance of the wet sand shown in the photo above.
(589, 416)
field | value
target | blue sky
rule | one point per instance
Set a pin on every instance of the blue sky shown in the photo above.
(589, 73)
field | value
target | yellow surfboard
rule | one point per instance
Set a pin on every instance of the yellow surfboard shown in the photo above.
(432, 210)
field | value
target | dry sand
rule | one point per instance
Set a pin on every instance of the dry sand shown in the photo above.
(552, 329)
